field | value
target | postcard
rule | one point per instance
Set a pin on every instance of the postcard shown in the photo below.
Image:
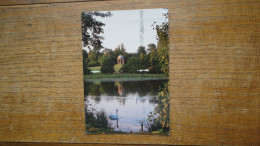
(126, 69)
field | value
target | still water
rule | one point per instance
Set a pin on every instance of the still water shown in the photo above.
(133, 99)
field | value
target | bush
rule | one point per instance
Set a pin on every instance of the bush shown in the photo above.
(93, 63)
(96, 120)
(86, 71)
(107, 65)
(106, 69)
(132, 65)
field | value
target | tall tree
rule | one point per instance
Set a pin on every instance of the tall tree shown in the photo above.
(92, 28)
(155, 66)
(161, 111)
(120, 50)
(150, 47)
(162, 46)
(141, 49)
(85, 62)
(93, 58)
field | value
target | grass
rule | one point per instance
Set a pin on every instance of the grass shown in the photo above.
(120, 75)
(117, 67)
(95, 68)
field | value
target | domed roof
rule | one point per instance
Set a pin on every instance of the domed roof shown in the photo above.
(120, 57)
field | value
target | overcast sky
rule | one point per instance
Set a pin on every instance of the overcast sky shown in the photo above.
(124, 27)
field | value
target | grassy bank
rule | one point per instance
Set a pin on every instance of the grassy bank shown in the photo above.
(94, 76)
(97, 68)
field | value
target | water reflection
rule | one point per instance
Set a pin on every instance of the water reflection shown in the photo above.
(130, 101)
(120, 89)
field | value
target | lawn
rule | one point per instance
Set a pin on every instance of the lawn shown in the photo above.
(117, 67)
(97, 68)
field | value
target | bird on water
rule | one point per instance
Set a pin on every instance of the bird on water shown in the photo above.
(114, 117)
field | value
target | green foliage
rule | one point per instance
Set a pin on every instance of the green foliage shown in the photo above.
(91, 28)
(132, 65)
(120, 50)
(117, 68)
(160, 115)
(107, 51)
(93, 63)
(101, 119)
(141, 50)
(155, 66)
(144, 61)
(85, 62)
(96, 120)
(94, 68)
(143, 57)
(163, 49)
(106, 69)
(151, 47)
(107, 65)
(102, 58)
(162, 46)
(93, 58)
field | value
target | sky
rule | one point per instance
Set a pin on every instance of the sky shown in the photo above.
(124, 27)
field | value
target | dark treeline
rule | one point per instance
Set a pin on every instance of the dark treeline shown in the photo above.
(144, 58)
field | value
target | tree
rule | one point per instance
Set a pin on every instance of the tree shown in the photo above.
(91, 29)
(107, 65)
(162, 46)
(102, 60)
(144, 61)
(132, 65)
(120, 50)
(140, 50)
(107, 51)
(160, 116)
(154, 62)
(93, 58)
(151, 47)
(161, 111)
(85, 62)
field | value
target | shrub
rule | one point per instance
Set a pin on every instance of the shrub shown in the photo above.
(96, 120)
(132, 65)
(107, 69)
(107, 65)
(86, 71)
(93, 63)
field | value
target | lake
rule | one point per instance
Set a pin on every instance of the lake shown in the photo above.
(134, 100)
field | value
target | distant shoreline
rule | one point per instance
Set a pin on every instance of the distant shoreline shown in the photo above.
(124, 77)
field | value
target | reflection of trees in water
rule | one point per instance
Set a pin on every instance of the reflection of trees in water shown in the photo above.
(97, 99)
(123, 88)
(90, 88)
(152, 101)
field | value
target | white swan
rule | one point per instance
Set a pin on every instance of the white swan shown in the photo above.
(114, 117)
